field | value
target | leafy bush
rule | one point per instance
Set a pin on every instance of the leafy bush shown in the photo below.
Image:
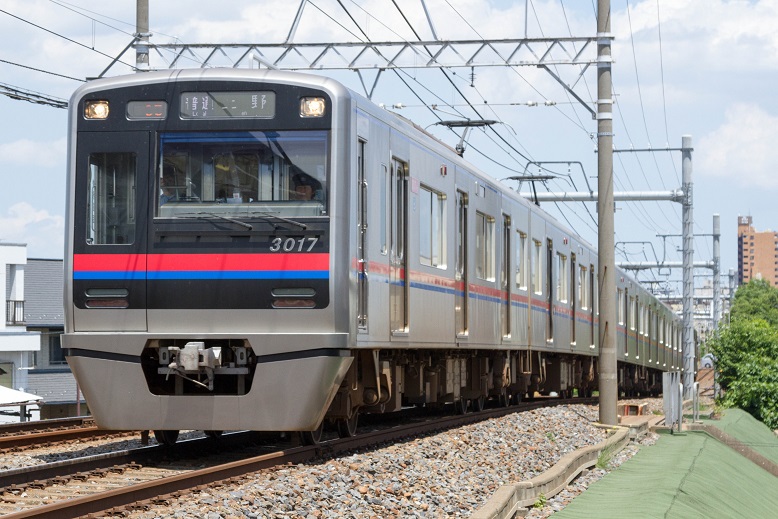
(747, 353)
(756, 299)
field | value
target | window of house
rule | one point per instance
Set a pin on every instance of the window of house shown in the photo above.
(56, 355)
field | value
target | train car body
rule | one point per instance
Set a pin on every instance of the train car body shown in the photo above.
(263, 250)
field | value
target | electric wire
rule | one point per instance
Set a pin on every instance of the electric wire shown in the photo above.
(20, 94)
(40, 70)
(642, 107)
(662, 76)
(65, 38)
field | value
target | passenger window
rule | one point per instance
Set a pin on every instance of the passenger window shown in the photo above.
(521, 261)
(537, 268)
(432, 233)
(484, 246)
(110, 204)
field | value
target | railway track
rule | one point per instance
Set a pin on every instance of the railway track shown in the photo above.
(16, 437)
(131, 478)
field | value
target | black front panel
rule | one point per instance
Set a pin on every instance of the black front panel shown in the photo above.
(211, 265)
(180, 205)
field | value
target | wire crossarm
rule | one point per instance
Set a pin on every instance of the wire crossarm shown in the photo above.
(382, 55)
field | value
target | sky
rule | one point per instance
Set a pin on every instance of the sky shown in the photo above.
(704, 68)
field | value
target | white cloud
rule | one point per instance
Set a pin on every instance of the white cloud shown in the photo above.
(715, 34)
(42, 231)
(47, 154)
(742, 149)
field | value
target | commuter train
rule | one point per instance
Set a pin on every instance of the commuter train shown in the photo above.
(262, 250)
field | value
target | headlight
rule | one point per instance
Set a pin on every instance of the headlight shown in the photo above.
(96, 110)
(312, 106)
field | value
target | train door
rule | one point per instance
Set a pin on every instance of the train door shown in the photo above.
(575, 293)
(398, 272)
(505, 281)
(550, 286)
(362, 239)
(109, 226)
(593, 288)
(462, 285)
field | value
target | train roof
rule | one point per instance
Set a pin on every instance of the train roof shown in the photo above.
(338, 89)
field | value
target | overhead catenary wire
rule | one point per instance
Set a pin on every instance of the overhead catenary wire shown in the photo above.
(65, 37)
(21, 94)
(40, 70)
(498, 135)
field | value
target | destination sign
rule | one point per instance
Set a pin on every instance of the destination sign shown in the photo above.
(228, 105)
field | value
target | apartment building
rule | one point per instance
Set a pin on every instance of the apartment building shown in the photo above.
(757, 253)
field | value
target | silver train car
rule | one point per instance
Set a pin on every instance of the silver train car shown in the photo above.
(271, 251)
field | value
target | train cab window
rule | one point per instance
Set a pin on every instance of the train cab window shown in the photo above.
(432, 228)
(259, 172)
(484, 247)
(111, 199)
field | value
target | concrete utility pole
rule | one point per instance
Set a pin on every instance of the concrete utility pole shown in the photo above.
(688, 268)
(608, 384)
(716, 272)
(142, 35)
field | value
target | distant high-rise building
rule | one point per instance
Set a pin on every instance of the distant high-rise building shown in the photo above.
(757, 253)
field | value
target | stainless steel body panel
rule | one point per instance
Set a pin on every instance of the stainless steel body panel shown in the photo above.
(293, 382)
(288, 395)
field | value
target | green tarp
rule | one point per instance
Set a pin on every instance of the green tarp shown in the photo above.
(686, 476)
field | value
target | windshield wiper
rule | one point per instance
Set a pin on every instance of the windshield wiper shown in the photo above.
(268, 215)
(219, 216)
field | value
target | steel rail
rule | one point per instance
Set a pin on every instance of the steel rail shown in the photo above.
(145, 491)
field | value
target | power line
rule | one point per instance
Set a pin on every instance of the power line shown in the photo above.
(32, 97)
(65, 38)
(72, 8)
(40, 70)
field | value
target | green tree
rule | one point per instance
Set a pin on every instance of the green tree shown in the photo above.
(747, 352)
(756, 299)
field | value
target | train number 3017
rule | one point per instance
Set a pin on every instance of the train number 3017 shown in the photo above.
(293, 244)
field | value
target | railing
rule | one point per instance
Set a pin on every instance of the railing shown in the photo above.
(14, 312)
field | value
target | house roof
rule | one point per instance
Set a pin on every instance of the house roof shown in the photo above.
(43, 286)
(9, 397)
(53, 386)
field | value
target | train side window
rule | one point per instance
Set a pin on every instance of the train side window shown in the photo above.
(432, 228)
(537, 267)
(521, 261)
(621, 306)
(561, 278)
(111, 199)
(484, 247)
(662, 331)
(583, 288)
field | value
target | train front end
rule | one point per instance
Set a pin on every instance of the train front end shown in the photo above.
(203, 250)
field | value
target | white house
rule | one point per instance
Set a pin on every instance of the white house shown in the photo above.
(17, 345)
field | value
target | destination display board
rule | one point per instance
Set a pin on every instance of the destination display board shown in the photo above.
(228, 105)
